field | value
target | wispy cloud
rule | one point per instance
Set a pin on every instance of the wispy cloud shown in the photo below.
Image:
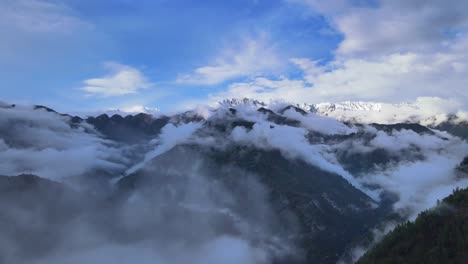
(253, 57)
(418, 74)
(378, 59)
(41, 142)
(121, 80)
(389, 26)
(38, 16)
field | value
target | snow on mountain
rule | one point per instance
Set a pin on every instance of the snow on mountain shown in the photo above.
(426, 111)
(125, 111)
(134, 109)
(233, 102)
(419, 111)
(369, 112)
(348, 106)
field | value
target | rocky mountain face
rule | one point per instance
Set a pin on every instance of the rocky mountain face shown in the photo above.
(130, 129)
(459, 129)
(318, 211)
(271, 183)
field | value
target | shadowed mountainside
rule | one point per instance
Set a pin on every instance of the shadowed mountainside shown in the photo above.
(330, 213)
(439, 235)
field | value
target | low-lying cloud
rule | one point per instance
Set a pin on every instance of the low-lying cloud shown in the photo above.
(181, 212)
(173, 206)
(170, 136)
(46, 144)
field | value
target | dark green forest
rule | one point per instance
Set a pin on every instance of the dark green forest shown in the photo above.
(439, 235)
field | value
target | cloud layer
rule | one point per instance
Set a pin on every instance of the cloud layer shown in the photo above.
(46, 144)
(417, 167)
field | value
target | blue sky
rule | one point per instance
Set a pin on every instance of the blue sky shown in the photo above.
(88, 55)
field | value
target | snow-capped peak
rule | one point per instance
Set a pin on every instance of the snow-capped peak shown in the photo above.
(348, 106)
(420, 111)
(374, 112)
(124, 111)
(244, 101)
(131, 110)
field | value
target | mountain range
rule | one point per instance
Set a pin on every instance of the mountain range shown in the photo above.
(243, 182)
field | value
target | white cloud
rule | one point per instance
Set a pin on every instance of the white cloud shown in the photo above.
(391, 26)
(392, 51)
(309, 67)
(424, 171)
(265, 89)
(253, 57)
(170, 136)
(292, 142)
(401, 25)
(44, 143)
(122, 80)
(419, 184)
(130, 110)
(393, 77)
(38, 16)
(389, 78)
(35, 31)
(139, 109)
(321, 124)
(160, 215)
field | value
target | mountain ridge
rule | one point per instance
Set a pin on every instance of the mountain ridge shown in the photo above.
(336, 180)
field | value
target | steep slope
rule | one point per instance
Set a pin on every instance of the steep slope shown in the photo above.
(290, 152)
(437, 236)
(329, 212)
(459, 129)
(34, 212)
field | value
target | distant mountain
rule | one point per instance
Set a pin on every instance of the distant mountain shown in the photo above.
(459, 129)
(329, 108)
(372, 112)
(439, 235)
(244, 101)
(131, 128)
